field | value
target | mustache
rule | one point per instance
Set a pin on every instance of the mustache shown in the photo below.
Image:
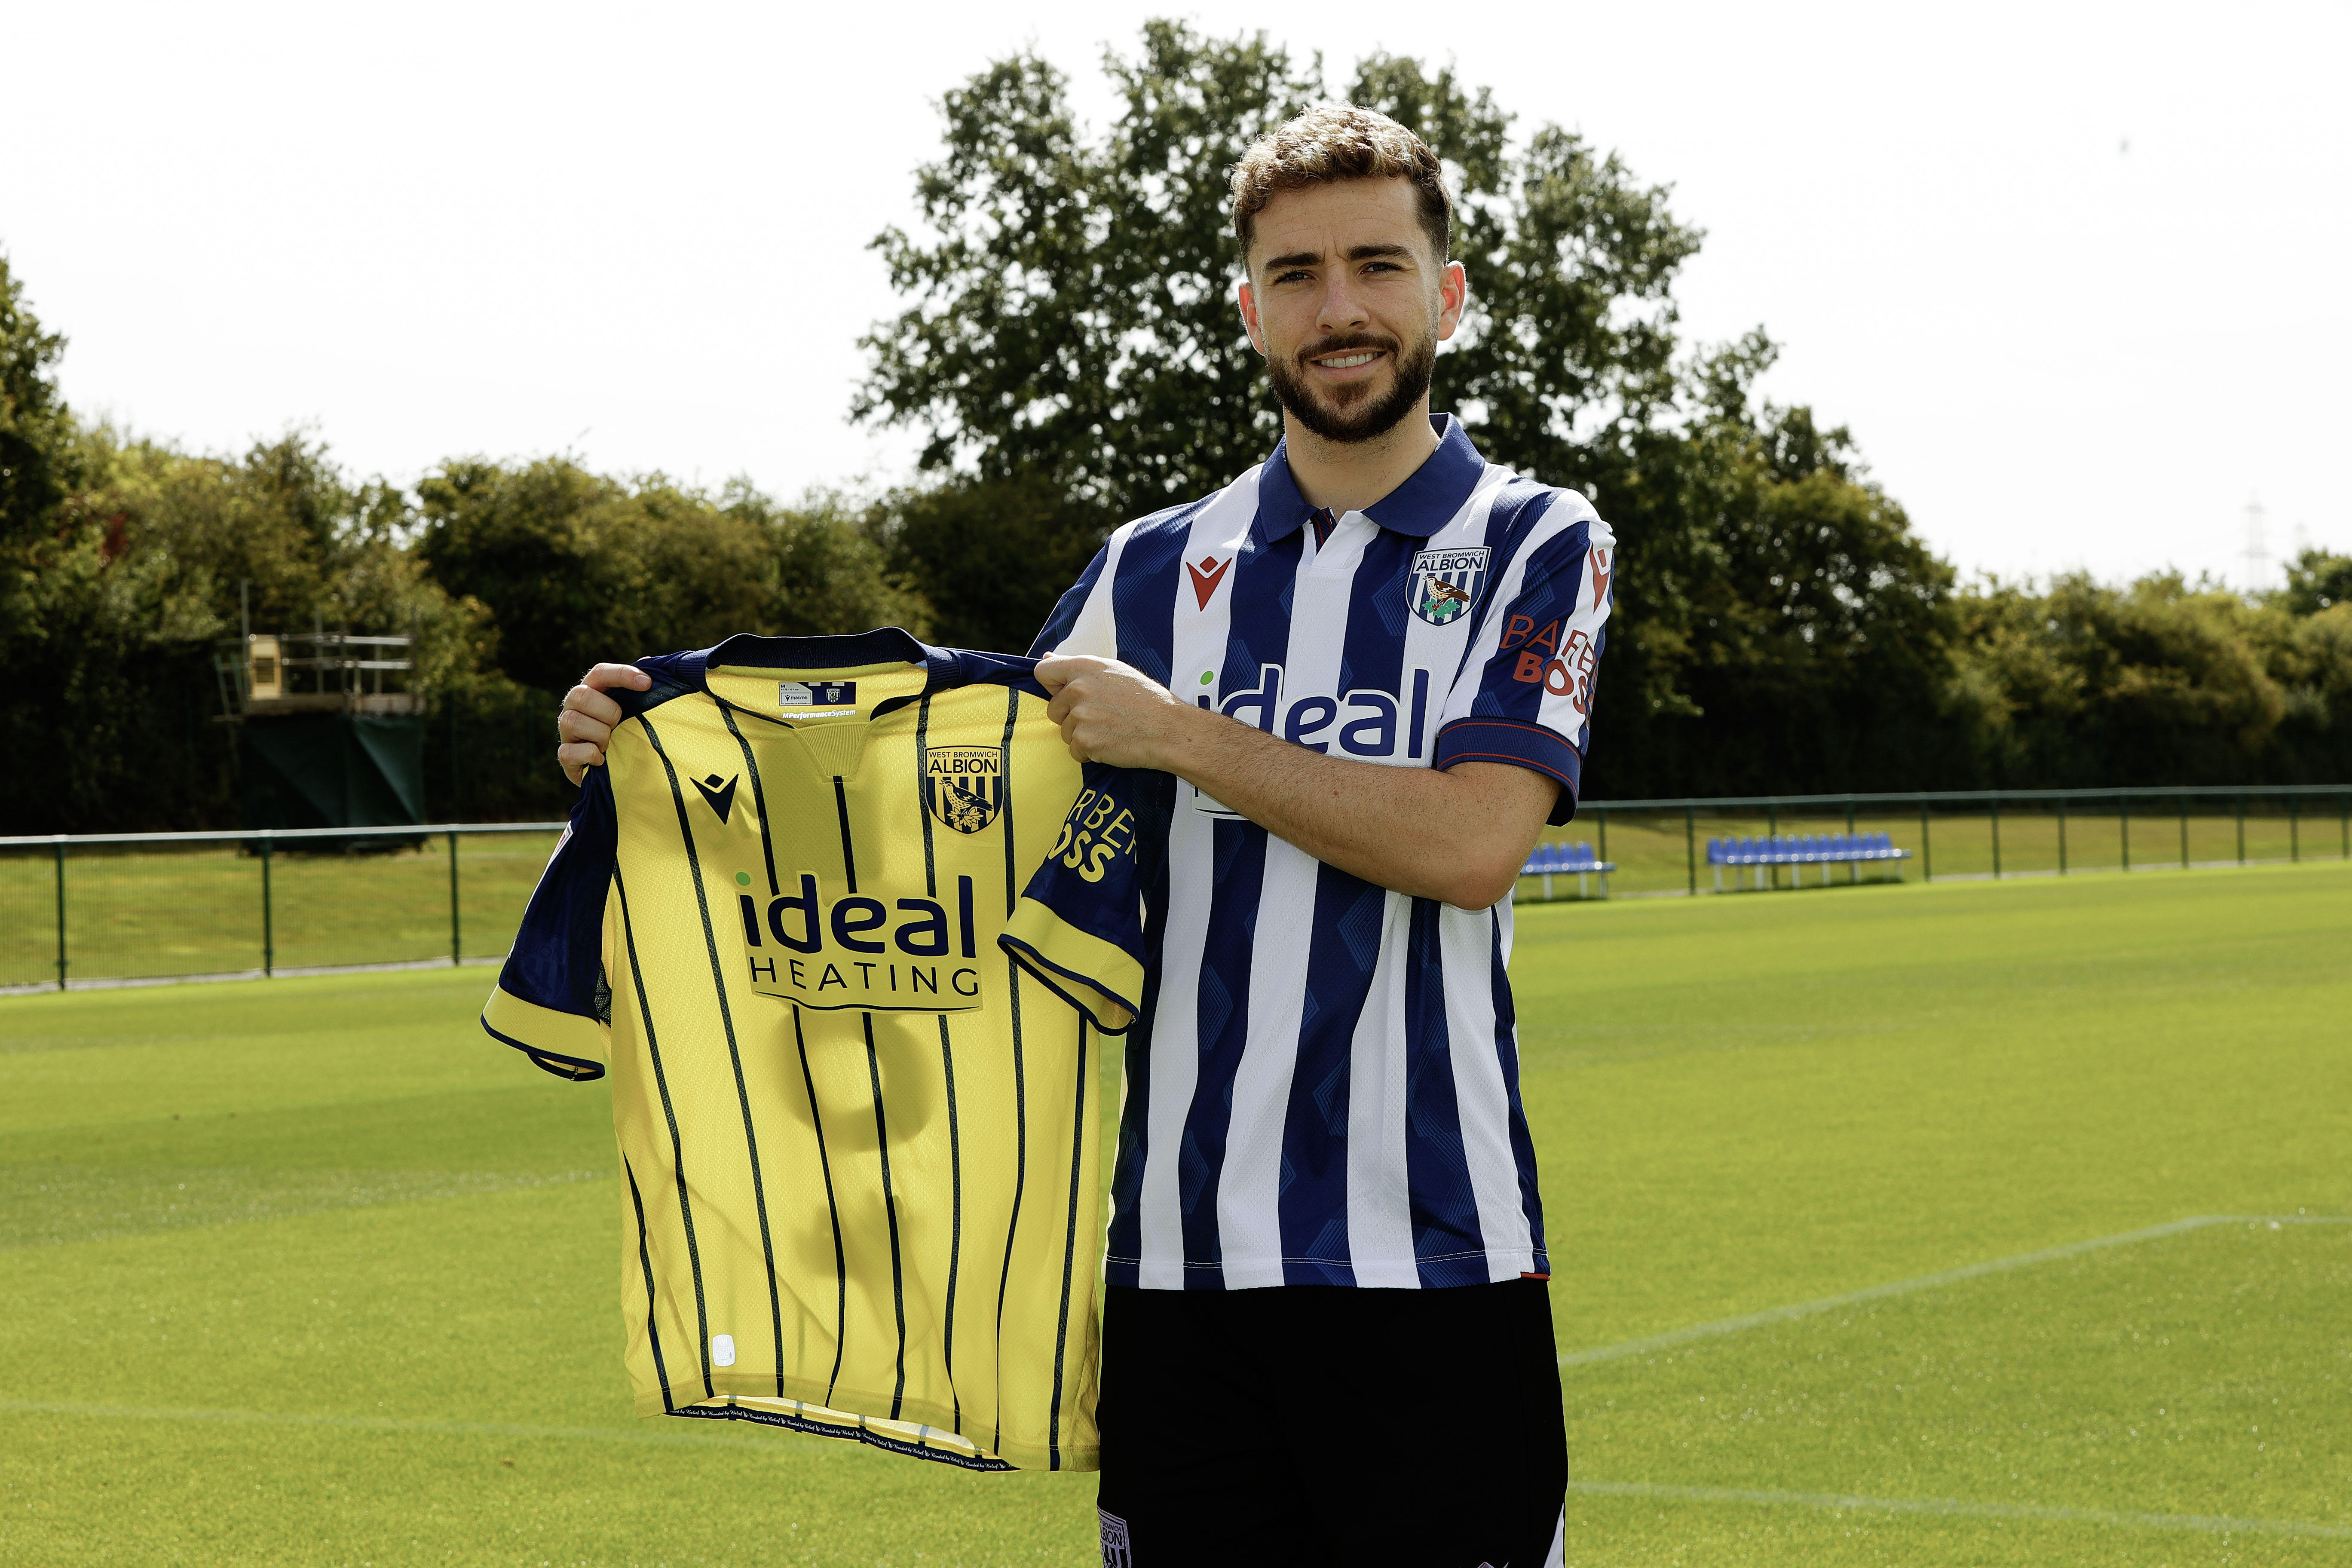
(1346, 343)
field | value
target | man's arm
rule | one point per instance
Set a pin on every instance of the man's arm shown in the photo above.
(1459, 836)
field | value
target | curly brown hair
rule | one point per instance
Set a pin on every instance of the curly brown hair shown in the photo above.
(1334, 143)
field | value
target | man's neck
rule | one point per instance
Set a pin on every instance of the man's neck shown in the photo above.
(1349, 476)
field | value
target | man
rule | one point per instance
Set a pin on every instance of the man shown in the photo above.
(1369, 663)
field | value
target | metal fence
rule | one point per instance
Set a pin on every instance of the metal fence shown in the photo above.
(1659, 847)
(116, 909)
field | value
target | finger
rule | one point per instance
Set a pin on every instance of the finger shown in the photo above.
(578, 759)
(1056, 671)
(571, 725)
(605, 676)
(593, 704)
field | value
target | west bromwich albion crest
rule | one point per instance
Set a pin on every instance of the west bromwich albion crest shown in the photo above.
(1445, 582)
(963, 786)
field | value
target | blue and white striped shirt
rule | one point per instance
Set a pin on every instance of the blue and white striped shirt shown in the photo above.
(1323, 1085)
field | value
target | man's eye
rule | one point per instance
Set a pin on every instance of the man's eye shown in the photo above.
(1294, 276)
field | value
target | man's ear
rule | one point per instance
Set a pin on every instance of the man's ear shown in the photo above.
(1247, 299)
(1454, 298)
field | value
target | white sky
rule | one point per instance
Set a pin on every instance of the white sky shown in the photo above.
(2074, 276)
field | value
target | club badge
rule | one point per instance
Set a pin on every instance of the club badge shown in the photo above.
(963, 786)
(1445, 582)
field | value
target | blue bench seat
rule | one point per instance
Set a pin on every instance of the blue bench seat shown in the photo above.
(1559, 858)
(1852, 850)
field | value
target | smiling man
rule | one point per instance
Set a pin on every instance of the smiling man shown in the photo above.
(1363, 672)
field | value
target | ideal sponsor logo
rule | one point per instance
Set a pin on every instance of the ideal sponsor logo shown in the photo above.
(1444, 583)
(816, 694)
(1364, 721)
(899, 954)
(963, 786)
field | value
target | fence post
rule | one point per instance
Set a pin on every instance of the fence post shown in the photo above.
(268, 933)
(1926, 847)
(2295, 829)
(2062, 834)
(1996, 838)
(2124, 806)
(2241, 827)
(2184, 833)
(57, 847)
(1690, 846)
(453, 897)
(2347, 826)
(1853, 868)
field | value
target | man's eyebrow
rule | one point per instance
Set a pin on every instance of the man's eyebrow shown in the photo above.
(1355, 253)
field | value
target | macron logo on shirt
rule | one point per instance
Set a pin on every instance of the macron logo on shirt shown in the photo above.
(1206, 576)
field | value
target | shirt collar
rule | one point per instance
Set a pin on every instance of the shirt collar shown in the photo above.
(1424, 503)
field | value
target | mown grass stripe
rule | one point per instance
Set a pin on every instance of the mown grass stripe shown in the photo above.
(1928, 1283)
(1960, 1508)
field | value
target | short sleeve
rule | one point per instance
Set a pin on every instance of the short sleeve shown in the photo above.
(1525, 694)
(1078, 927)
(552, 1002)
(1082, 621)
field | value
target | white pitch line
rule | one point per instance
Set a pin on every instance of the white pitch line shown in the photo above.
(1928, 1283)
(1955, 1508)
(395, 1423)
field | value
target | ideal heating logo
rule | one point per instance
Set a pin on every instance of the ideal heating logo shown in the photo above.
(860, 952)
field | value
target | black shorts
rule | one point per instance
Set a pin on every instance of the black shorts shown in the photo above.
(1318, 1424)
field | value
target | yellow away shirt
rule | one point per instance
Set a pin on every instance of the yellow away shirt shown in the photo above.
(858, 1139)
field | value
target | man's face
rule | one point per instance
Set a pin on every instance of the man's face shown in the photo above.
(1348, 302)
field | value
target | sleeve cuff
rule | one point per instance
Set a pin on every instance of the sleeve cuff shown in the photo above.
(1520, 744)
(565, 1044)
(1099, 978)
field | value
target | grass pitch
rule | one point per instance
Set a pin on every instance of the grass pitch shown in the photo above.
(308, 1271)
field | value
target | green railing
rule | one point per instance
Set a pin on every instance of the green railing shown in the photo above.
(126, 907)
(1660, 846)
(118, 909)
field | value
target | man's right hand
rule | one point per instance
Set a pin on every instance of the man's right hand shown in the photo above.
(584, 727)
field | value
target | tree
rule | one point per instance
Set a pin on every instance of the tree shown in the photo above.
(575, 566)
(38, 451)
(2164, 681)
(2318, 579)
(1779, 628)
(993, 555)
(1073, 325)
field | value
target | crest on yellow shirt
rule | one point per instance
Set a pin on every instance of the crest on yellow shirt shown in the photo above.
(963, 786)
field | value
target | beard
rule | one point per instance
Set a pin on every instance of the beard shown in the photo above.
(1359, 414)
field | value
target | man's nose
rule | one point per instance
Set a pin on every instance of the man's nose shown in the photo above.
(1341, 309)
